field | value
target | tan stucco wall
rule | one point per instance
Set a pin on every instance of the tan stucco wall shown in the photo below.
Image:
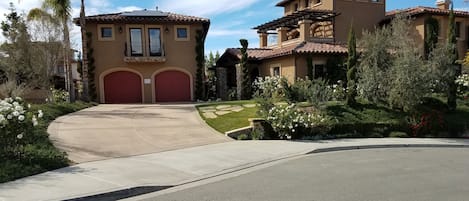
(109, 56)
(419, 24)
(302, 66)
(287, 67)
(364, 14)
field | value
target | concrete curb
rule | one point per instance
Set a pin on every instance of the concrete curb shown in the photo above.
(386, 146)
(248, 166)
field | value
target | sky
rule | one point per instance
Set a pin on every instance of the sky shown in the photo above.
(230, 20)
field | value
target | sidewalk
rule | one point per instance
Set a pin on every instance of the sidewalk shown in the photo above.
(181, 166)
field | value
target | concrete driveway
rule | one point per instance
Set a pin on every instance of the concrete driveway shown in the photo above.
(112, 131)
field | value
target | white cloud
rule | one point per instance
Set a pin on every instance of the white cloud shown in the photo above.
(205, 8)
(227, 32)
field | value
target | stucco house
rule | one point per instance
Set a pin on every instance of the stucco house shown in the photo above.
(317, 30)
(144, 56)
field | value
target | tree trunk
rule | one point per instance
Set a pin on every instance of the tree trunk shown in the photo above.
(86, 93)
(68, 66)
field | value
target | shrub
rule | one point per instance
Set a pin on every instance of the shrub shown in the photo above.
(257, 133)
(243, 137)
(291, 123)
(17, 124)
(396, 134)
(59, 96)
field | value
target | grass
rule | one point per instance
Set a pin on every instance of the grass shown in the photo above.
(40, 155)
(233, 120)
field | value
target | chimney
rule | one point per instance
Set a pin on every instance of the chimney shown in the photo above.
(443, 4)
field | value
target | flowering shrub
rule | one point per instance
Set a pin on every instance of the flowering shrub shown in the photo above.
(16, 123)
(272, 87)
(463, 82)
(59, 96)
(429, 123)
(338, 91)
(291, 122)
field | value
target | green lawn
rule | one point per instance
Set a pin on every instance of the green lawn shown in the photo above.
(233, 120)
(40, 155)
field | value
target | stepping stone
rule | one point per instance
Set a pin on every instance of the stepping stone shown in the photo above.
(220, 113)
(221, 107)
(249, 105)
(210, 115)
(238, 109)
(207, 108)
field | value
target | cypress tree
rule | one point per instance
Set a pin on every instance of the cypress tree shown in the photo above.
(246, 78)
(352, 68)
(453, 53)
(200, 59)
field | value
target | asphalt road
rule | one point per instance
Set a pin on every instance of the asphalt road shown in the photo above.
(364, 175)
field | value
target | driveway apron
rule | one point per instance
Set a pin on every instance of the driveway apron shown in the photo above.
(112, 131)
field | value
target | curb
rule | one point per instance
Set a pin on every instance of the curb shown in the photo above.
(112, 195)
(350, 148)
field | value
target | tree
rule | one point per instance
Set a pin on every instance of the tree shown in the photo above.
(84, 66)
(61, 10)
(352, 68)
(392, 68)
(246, 78)
(374, 65)
(17, 66)
(432, 29)
(47, 53)
(200, 59)
(453, 52)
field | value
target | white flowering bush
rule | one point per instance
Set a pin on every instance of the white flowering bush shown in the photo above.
(338, 91)
(463, 82)
(290, 122)
(16, 124)
(272, 87)
(59, 96)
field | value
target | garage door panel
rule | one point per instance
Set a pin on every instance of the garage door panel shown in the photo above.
(172, 86)
(122, 87)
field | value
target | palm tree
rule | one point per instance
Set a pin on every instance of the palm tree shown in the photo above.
(61, 10)
(86, 95)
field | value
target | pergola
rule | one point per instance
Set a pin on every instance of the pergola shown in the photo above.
(292, 20)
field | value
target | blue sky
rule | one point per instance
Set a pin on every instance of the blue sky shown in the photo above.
(231, 20)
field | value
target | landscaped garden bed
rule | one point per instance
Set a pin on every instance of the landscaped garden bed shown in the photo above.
(27, 149)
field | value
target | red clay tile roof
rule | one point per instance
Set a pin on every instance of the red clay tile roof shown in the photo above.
(426, 10)
(119, 17)
(282, 3)
(302, 48)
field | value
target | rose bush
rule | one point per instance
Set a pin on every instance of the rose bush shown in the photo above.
(17, 122)
(290, 122)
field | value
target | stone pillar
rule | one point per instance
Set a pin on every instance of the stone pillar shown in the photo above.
(305, 26)
(239, 81)
(282, 35)
(263, 40)
(222, 85)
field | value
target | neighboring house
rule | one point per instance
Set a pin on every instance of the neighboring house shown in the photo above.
(441, 14)
(318, 29)
(145, 56)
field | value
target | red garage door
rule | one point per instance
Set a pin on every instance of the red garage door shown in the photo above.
(122, 87)
(172, 86)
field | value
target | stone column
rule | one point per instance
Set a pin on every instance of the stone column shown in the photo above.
(222, 85)
(239, 81)
(282, 35)
(305, 26)
(263, 40)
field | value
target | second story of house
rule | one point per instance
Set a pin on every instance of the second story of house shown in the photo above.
(144, 37)
(422, 17)
(326, 20)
